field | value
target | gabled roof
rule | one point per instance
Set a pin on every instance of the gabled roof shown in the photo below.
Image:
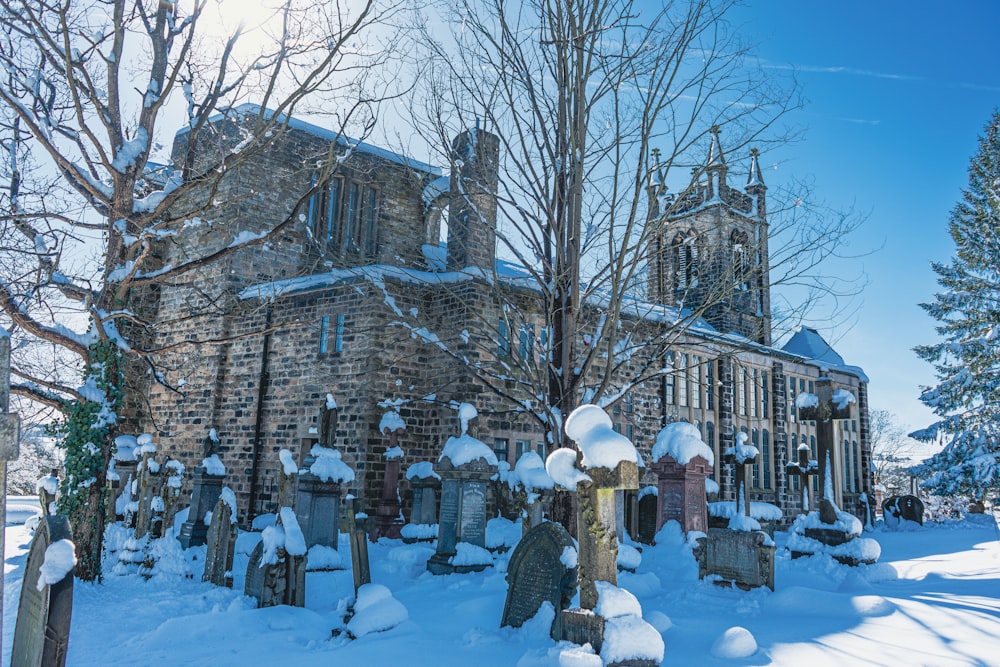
(810, 345)
(249, 109)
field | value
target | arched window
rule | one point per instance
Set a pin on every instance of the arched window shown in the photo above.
(742, 262)
(686, 258)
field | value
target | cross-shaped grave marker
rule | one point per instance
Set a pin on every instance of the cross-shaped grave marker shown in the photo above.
(805, 468)
(823, 407)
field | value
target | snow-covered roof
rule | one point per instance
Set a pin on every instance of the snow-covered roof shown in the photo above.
(811, 346)
(324, 133)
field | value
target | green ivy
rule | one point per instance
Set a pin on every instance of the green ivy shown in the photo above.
(86, 429)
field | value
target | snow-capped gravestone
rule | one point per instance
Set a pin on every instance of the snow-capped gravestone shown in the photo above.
(607, 462)
(830, 530)
(317, 501)
(898, 510)
(47, 488)
(360, 565)
(682, 462)
(276, 573)
(221, 541)
(542, 568)
(207, 485)
(122, 476)
(805, 469)
(465, 467)
(148, 484)
(426, 485)
(532, 489)
(388, 518)
(740, 456)
(41, 636)
(744, 558)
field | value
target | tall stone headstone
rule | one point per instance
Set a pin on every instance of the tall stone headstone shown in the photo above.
(466, 466)
(388, 518)
(317, 502)
(360, 565)
(426, 485)
(10, 432)
(41, 636)
(149, 480)
(682, 462)
(538, 572)
(221, 542)
(275, 575)
(648, 518)
(208, 479)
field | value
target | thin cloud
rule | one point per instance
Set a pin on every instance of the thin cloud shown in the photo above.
(860, 121)
(836, 69)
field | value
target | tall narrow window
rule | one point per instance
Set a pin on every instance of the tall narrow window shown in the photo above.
(765, 454)
(741, 390)
(696, 383)
(350, 227)
(629, 403)
(525, 339)
(754, 382)
(338, 341)
(709, 386)
(857, 470)
(682, 381)
(332, 211)
(847, 466)
(812, 448)
(523, 446)
(370, 232)
(791, 398)
(755, 468)
(668, 379)
(500, 448)
(765, 395)
(324, 334)
(503, 339)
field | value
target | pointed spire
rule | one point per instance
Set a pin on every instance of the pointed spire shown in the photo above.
(755, 179)
(715, 157)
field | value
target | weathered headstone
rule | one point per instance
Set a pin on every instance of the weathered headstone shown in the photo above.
(221, 541)
(207, 479)
(10, 433)
(805, 469)
(537, 572)
(41, 636)
(465, 466)
(426, 485)
(122, 476)
(897, 509)
(823, 408)
(317, 502)
(647, 518)
(682, 462)
(743, 558)
(360, 566)
(388, 519)
(274, 575)
(148, 471)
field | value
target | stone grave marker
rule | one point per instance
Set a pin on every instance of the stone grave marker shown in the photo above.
(208, 479)
(360, 566)
(536, 573)
(805, 469)
(280, 582)
(221, 541)
(148, 487)
(465, 466)
(317, 501)
(743, 558)
(902, 508)
(647, 519)
(682, 462)
(41, 636)
(388, 519)
(10, 432)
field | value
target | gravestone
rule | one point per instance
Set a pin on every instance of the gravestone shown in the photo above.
(148, 487)
(48, 489)
(280, 582)
(681, 492)
(647, 518)
(743, 558)
(426, 485)
(902, 508)
(388, 519)
(360, 566)
(207, 479)
(462, 517)
(125, 464)
(805, 469)
(10, 432)
(536, 573)
(221, 541)
(41, 636)
(317, 501)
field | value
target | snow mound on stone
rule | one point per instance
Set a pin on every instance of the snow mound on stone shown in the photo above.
(590, 427)
(681, 441)
(375, 610)
(736, 642)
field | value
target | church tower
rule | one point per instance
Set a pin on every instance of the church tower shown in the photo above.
(709, 253)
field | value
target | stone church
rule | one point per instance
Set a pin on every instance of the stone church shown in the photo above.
(261, 338)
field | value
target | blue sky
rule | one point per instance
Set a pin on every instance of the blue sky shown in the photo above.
(898, 93)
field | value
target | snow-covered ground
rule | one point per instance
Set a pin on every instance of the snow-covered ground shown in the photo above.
(933, 599)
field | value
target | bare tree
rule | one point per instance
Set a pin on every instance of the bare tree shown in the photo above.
(87, 88)
(892, 449)
(578, 94)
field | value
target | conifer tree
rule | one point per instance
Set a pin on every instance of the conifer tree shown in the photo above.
(967, 359)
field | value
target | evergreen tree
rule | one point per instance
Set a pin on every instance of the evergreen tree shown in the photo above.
(967, 360)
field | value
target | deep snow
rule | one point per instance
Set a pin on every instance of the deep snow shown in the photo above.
(933, 599)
